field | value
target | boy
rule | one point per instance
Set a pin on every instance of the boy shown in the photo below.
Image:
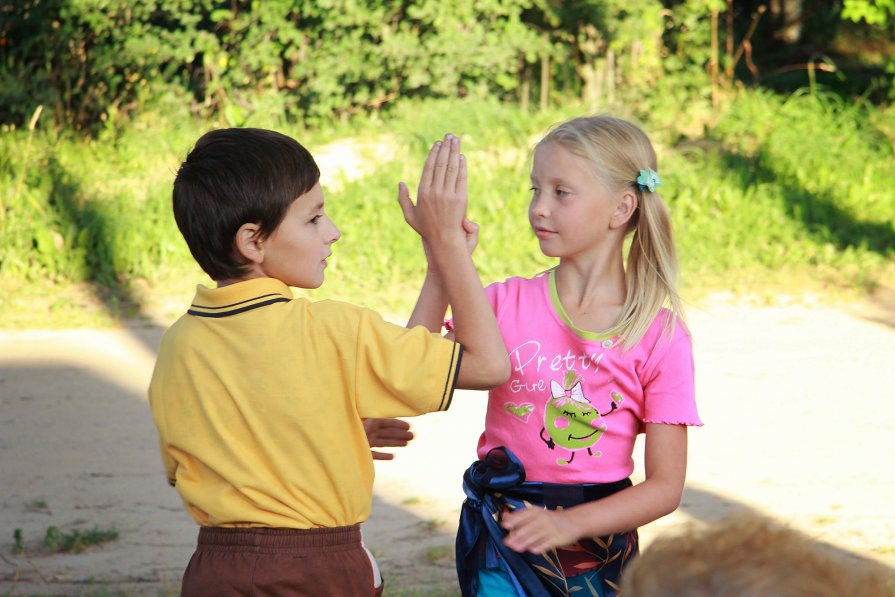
(259, 398)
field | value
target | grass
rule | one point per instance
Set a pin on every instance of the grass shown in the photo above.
(440, 554)
(73, 541)
(37, 506)
(433, 524)
(76, 540)
(822, 521)
(777, 195)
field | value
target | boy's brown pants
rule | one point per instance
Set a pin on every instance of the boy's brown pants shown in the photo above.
(279, 563)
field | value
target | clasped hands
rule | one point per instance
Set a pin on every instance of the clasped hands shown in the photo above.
(441, 197)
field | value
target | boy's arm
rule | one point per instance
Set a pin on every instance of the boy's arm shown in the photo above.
(438, 216)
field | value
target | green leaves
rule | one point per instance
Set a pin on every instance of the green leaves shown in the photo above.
(874, 12)
(77, 540)
(91, 58)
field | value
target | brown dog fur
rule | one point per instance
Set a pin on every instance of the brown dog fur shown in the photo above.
(748, 555)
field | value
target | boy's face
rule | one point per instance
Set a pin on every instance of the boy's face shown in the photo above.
(297, 250)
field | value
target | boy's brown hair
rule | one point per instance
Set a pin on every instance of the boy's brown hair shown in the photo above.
(233, 177)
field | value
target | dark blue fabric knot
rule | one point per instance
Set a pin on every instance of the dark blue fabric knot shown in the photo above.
(496, 485)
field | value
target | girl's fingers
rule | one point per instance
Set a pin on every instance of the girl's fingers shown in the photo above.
(526, 542)
(404, 198)
(406, 204)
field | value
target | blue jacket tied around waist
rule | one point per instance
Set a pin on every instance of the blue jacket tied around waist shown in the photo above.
(497, 484)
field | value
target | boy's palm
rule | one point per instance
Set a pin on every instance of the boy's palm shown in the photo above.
(440, 209)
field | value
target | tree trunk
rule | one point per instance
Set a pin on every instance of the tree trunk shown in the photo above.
(787, 17)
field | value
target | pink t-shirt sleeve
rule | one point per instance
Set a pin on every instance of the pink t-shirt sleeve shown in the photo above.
(494, 292)
(668, 387)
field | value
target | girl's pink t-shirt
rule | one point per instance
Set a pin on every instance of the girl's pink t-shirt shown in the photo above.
(576, 400)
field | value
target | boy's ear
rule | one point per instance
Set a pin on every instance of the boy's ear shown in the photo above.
(624, 209)
(248, 243)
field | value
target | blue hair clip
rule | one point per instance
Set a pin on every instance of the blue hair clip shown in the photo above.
(649, 179)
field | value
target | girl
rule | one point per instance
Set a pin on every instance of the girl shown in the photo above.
(600, 353)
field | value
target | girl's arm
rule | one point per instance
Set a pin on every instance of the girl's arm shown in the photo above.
(538, 530)
(432, 304)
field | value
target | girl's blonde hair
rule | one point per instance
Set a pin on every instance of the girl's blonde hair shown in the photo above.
(617, 150)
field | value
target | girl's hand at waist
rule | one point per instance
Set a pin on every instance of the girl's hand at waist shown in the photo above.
(538, 530)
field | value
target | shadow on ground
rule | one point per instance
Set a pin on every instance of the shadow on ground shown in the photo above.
(78, 450)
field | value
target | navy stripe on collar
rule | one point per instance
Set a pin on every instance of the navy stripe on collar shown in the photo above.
(233, 311)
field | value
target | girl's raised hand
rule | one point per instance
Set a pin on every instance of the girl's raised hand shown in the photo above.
(440, 209)
(538, 530)
(472, 234)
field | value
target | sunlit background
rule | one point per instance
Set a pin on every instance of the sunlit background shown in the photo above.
(775, 131)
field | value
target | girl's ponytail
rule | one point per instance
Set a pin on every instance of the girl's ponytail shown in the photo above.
(651, 273)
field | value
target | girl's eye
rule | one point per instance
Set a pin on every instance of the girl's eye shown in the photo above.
(315, 219)
(561, 192)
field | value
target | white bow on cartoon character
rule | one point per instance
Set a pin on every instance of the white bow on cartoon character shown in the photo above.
(576, 393)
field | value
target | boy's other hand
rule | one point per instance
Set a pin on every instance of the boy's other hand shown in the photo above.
(387, 433)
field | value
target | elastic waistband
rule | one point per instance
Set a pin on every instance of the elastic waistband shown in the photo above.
(263, 539)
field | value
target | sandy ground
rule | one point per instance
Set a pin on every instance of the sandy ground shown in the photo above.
(797, 401)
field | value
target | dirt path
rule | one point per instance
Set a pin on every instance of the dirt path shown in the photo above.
(797, 403)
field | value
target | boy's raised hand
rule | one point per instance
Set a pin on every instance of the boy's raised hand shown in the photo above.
(439, 216)
(440, 210)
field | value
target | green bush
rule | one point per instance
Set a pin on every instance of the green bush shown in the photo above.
(781, 190)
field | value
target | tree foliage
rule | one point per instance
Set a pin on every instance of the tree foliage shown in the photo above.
(87, 58)
(90, 61)
(874, 12)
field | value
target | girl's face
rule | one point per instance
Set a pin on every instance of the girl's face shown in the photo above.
(570, 210)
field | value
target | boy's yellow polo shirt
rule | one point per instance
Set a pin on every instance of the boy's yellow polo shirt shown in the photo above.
(258, 399)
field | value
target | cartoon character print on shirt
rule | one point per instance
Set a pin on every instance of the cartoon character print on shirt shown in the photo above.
(570, 420)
